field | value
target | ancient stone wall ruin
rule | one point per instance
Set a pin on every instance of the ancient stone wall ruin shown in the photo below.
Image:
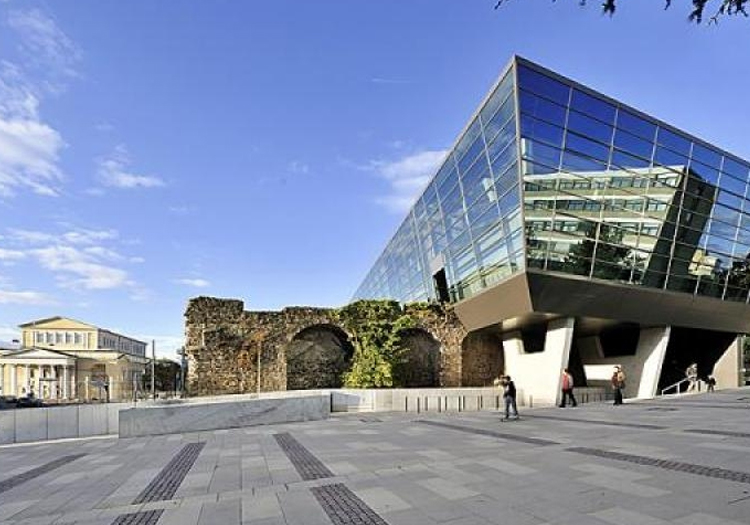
(303, 348)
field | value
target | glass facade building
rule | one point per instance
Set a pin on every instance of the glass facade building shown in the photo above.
(550, 176)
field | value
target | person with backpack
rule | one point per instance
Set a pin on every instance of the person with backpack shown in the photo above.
(567, 389)
(509, 397)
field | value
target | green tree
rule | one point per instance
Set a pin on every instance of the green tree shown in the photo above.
(697, 13)
(608, 252)
(376, 328)
(166, 372)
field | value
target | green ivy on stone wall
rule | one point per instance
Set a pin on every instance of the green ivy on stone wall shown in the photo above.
(376, 328)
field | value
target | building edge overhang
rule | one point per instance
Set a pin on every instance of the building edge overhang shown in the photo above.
(534, 295)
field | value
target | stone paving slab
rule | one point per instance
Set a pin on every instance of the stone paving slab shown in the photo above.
(685, 463)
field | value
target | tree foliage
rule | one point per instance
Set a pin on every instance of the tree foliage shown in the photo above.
(697, 13)
(376, 328)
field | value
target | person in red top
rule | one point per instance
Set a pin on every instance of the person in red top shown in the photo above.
(567, 389)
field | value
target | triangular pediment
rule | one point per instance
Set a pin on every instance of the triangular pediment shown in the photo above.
(36, 353)
(58, 323)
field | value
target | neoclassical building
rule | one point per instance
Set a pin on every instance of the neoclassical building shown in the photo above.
(65, 359)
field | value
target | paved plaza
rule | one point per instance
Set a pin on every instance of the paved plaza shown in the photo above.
(679, 461)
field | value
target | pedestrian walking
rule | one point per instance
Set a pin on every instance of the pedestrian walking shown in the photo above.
(691, 374)
(711, 382)
(509, 397)
(567, 389)
(618, 383)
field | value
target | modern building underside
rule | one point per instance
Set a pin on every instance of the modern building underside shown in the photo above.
(586, 234)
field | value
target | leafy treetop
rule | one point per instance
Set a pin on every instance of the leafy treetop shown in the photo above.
(725, 7)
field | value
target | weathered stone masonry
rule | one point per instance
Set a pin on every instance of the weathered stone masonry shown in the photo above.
(307, 348)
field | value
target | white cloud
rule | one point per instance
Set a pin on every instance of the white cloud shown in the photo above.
(166, 345)
(407, 176)
(29, 153)
(84, 236)
(113, 172)
(11, 255)
(44, 44)
(86, 271)
(25, 297)
(298, 167)
(29, 147)
(30, 236)
(196, 283)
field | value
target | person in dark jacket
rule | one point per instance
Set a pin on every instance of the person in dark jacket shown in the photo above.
(509, 397)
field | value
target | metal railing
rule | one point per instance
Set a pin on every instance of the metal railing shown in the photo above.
(676, 386)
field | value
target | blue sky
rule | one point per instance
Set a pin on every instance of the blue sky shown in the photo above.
(267, 150)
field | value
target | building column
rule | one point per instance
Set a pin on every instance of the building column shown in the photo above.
(53, 384)
(65, 384)
(538, 375)
(647, 362)
(727, 370)
(111, 383)
(73, 385)
(39, 382)
(2, 379)
(28, 379)
(13, 380)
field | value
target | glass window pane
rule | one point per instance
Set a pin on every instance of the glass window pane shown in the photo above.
(706, 156)
(667, 157)
(573, 162)
(593, 106)
(587, 147)
(673, 141)
(636, 125)
(731, 184)
(541, 131)
(623, 160)
(545, 158)
(542, 109)
(633, 145)
(543, 85)
(501, 93)
(736, 169)
(589, 127)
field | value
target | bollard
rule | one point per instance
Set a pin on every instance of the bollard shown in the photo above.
(426, 399)
(418, 405)
(531, 401)
(497, 402)
(440, 407)
(406, 404)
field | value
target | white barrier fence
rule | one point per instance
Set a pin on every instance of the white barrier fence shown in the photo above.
(40, 424)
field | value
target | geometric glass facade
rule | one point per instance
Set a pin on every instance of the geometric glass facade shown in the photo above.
(552, 176)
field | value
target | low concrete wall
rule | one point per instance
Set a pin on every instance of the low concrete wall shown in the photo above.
(194, 417)
(24, 425)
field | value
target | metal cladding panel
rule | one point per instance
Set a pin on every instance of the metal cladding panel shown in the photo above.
(508, 299)
(576, 297)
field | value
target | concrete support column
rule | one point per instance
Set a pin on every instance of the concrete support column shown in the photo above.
(13, 380)
(727, 369)
(649, 358)
(111, 382)
(65, 384)
(537, 375)
(53, 384)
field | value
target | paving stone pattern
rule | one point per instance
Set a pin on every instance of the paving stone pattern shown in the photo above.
(166, 483)
(343, 507)
(485, 432)
(308, 466)
(690, 468)
(599, 422)
(439, 469)
(18, 479)
(711, 432)
(150, 517)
